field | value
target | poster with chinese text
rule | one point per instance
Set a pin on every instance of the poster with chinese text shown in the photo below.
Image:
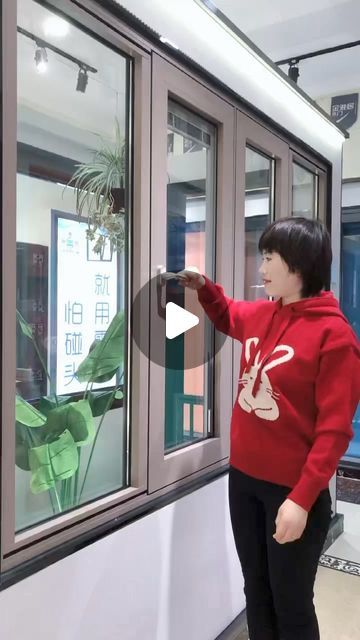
(86, 300)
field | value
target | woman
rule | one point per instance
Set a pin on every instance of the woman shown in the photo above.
(298, 389)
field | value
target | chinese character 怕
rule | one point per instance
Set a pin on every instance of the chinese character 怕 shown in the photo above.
(74, 313)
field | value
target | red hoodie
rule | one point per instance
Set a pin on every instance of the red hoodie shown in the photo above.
(298, 389)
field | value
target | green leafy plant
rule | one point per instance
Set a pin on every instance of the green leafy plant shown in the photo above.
(49, 437)
(99, 188)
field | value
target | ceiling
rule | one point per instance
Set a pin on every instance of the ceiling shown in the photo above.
(284, 29)
(51, 113)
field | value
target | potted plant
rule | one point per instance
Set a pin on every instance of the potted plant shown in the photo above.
(100, 194)
(49, 436)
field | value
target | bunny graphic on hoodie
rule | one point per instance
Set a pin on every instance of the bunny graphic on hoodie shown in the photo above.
(298, 388)
(263, 402)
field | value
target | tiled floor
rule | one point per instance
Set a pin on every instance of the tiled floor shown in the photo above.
(337, 597)
(347, 546)
(337, 594)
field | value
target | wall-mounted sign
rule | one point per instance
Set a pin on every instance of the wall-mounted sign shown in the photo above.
(344, 109)
(85, 299)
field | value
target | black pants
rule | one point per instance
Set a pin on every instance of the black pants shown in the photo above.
(279, 578)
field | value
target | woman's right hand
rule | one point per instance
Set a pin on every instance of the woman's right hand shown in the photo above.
(190, 279)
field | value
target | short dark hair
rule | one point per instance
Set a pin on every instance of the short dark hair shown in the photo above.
(305, 246)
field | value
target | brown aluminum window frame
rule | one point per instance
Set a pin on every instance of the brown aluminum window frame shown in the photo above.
(249, 133)
(171, 83)
(317, 168)
(17, 548)
(97, 19)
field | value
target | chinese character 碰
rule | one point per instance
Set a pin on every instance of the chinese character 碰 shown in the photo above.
(102, 312)
(73, 344)
(102, 285)
(74, 313)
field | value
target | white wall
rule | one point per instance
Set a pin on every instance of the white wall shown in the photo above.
(173, 575)
(351, 194)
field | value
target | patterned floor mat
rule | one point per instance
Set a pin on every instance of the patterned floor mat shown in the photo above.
(347, 566)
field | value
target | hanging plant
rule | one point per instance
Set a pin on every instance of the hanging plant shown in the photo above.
(100, 194)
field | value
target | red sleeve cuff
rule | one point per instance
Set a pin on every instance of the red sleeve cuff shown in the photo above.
(208, 292)
(304, 495)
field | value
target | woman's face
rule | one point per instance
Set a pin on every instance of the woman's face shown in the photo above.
(278, 280)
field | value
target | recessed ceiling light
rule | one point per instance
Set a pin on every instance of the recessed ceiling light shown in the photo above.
(55, 26)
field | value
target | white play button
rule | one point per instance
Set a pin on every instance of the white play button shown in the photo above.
(178, 320)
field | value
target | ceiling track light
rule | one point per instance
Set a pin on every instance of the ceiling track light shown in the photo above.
(82, 80)
(41, 59)
(293, 71)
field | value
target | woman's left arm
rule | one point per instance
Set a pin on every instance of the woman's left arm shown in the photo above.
(337, 395)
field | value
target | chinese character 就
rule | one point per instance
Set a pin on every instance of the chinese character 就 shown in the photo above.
(99, 335)
(73, 344)
(102, 313)
(73, 313)
(102, 285)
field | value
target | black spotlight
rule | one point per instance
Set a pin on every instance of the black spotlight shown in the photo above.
(82, 80)
(294, 72)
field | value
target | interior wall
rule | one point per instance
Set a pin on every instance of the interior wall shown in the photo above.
(172, 575)
(351, 194)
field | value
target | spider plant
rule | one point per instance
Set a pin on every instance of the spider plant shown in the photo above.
(99, 188)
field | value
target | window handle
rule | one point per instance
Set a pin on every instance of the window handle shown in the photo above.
(161, 291)
(160, 269)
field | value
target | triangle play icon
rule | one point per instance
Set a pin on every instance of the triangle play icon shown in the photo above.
(178, 320)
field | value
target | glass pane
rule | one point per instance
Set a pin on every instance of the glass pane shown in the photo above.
(72, 269)
(304, 194)
(190, 223)
(350, 300)
(259, 204)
